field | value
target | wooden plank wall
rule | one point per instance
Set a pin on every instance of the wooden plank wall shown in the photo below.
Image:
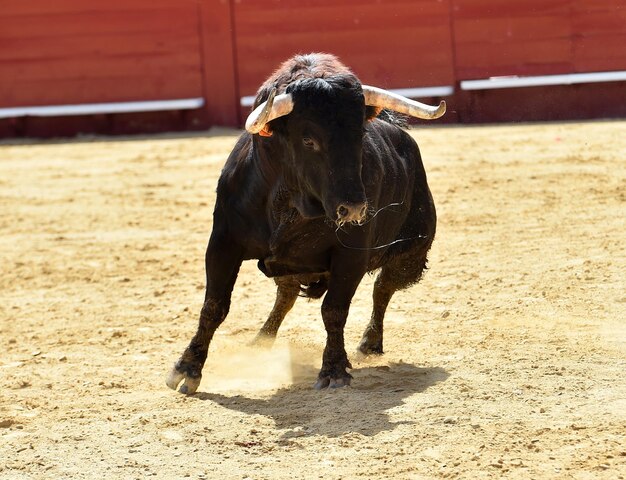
(393, 44)
(88, 51)
(503, 37)
(538, 37)
(599, 35)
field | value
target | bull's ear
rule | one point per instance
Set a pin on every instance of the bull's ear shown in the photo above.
(267, 131)
(372, 112)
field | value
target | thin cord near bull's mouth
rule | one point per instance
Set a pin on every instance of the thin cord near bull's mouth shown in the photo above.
(395, 204)
(341, 224)
(380, 246)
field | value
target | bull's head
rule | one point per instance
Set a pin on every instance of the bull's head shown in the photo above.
(323, 129)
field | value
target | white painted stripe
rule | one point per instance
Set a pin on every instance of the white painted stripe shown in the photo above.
(421, 92)
(100, 108)
(247, 101)
(424, 92)
(543, 80)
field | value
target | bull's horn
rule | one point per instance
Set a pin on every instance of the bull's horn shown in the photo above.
(377, 97)
(275, 106)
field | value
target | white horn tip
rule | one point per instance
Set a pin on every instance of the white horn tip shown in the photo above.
(441, 109)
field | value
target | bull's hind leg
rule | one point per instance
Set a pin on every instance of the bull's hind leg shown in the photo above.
(372, 341)
(400, 273)
(286, 295)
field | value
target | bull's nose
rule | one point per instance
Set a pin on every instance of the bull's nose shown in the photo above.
(351, 212)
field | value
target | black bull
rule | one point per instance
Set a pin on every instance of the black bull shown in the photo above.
(323, 195)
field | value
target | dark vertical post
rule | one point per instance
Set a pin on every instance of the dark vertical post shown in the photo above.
(218, 62)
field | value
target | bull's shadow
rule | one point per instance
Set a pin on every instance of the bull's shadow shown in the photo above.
(362, 408)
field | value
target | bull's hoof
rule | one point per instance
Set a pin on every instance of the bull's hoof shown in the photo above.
(327, 382)
(190, 381)
(333, 380)
(368, 350)
(263, 340)
(370, 347)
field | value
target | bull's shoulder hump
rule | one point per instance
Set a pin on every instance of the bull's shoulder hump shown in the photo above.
(238, 160)
(242, 149)
(388, 133)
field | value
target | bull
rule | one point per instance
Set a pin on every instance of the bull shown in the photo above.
(320, 191)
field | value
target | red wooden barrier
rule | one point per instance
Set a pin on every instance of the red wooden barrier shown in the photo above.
(501, 37)
(394, 44)
(87, 51)
(599, 35)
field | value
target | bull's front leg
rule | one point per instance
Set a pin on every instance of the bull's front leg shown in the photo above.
(222, 261)
(346, 274)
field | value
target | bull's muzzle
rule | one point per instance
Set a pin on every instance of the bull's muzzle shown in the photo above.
(351, 213)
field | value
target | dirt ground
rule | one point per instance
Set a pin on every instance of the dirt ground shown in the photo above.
(507, 360)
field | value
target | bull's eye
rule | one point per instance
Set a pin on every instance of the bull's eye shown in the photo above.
(310, 144)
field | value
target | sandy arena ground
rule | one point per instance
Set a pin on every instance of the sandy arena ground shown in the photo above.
(508, 359)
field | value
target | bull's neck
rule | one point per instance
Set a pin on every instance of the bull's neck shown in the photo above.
(267, 160)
